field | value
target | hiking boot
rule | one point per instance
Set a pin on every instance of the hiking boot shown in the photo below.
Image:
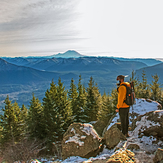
(127, 135)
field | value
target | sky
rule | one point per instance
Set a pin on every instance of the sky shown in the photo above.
(119, 28)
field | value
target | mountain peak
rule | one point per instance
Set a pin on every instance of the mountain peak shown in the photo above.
(68, 54)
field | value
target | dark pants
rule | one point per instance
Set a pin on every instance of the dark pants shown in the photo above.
(124, 117)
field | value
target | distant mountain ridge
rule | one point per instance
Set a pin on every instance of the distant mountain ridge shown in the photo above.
(150, 71)
(22, 61)
(13, 74)
(147, 61)
(35, 74)
(78, 64)
(102, 69)
(25, 61)
(85, 64)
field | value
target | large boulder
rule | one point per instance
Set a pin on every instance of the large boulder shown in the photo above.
(148, 133)
(142, 107)
(80, 140)
(152, 124)
(113, 136)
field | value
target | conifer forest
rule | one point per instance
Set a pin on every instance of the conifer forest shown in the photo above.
(42, 124)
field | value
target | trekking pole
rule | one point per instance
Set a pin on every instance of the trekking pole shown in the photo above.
(133, 94)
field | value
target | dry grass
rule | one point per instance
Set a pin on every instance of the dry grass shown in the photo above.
(123, 156)
(22, 151)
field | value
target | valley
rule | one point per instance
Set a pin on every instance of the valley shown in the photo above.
(22, 76)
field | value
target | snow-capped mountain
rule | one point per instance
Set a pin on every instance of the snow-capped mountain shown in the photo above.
(68, 54)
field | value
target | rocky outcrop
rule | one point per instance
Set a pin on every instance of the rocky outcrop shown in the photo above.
(145, 137)
(80, 140)
(158, 156)
(113, 136)
(142, 107)
(153, 124)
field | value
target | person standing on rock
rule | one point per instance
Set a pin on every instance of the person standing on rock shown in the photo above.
(122, 107)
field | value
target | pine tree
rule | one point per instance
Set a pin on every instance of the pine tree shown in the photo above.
(101, 113)
(52, 118)
(137, 87)
(144, 87)
(20, 121)
(9, 122)
(50, 115)
(73, 94)
(78, 114)
(155, 88)
(114, 98)
(63, 105)
(94, 102)
(23, 120)
(35, 119)
(57, 112)
(107, 110)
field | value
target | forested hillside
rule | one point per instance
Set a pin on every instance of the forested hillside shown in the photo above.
(23, 76)
(151, 70)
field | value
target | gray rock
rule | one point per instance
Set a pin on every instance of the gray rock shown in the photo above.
(113, 136)
(80, 140)
(99, 126)
(133, 146)
(156, 130)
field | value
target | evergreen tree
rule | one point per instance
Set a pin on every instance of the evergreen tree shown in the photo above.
(107, 110)
(24, 113)
(9, 122)
(23, 119)
(35, 119)
(144, 87)
(20, 128)
(51, 115)
(63, 105)
(57, 111)
(73, 94)
(94, 102)
(114, 98)
(79, 115)
(137, 86)
(155, 88)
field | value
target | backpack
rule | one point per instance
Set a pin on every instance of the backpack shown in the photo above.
(130, 94)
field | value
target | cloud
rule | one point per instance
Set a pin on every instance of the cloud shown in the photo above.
(22, 20)
(90, 25)
(12, 10)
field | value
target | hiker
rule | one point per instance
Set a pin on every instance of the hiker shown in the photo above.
(122, 107)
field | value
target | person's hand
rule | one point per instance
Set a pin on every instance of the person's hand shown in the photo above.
(117, 110)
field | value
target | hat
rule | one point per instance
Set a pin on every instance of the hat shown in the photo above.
(120, 77)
